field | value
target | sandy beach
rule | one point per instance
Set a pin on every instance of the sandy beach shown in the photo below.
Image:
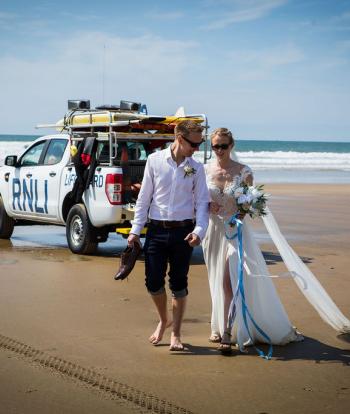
(73, 340)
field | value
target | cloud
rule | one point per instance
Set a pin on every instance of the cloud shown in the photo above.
(157, 15)
(344, 46)
(86, 17)
(340, 22)
(334, 23)
(7, 20)
(344, 17)
(257, 64)
(244, 11)
(6, 16)
(91, 65)
(127, 55)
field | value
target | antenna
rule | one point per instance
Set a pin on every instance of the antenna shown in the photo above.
(103, 73)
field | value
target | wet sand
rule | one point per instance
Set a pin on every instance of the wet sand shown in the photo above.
(80, 325)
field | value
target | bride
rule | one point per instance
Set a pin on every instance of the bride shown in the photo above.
(255, 314)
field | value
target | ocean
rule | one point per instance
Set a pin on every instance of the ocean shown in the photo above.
(271, 161)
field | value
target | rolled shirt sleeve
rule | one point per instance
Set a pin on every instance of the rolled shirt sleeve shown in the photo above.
(201, 203)
(143, 200)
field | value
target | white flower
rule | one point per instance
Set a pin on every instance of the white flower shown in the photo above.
(239, 191)
(242, 199)
(255, 193)
(249, 197)
(250, 200)
(188, 170)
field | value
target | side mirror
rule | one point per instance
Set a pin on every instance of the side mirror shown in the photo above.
(11, 160)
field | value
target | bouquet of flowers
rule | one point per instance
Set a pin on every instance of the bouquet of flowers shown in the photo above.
(251, 200)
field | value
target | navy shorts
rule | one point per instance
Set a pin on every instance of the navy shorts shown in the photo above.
(165, 246)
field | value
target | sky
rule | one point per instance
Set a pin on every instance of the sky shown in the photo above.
(266, 69)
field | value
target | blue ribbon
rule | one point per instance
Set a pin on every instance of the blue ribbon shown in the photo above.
(239, 291)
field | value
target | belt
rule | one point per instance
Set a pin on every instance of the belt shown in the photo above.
(171, 224)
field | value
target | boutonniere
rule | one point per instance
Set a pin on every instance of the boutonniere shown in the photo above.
(189, 171)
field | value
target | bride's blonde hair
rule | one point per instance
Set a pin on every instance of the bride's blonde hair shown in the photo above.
(223, 132)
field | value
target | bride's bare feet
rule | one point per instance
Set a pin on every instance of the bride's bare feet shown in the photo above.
(215, 337)
(175, 343)
(157, 335)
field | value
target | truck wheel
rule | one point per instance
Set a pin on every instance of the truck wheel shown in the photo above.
(7, 223)
(79, 231)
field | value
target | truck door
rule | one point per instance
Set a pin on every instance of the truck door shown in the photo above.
(54, 161)
(26, 198)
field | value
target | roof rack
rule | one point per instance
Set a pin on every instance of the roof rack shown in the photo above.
(81, 123)
(115, 118)
(121, 136)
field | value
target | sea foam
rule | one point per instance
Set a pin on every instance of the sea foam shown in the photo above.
(291, 160)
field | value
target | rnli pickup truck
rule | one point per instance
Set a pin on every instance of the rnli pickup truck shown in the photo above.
(38, 186)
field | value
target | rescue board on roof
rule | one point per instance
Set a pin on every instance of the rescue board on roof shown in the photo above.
(123, 119)
(128, 115)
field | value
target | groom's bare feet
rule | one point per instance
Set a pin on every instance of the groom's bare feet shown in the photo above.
(157, 335)
(175, 343)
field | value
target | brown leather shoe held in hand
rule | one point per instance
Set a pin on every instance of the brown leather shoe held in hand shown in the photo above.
(127, 261)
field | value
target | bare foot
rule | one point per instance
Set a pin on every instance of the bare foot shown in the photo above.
(157, 335)
(215, 337)
(175, 343)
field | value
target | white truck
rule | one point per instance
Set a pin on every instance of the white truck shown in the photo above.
(38, 186)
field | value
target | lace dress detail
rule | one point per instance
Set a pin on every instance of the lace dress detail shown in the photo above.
(223, 195)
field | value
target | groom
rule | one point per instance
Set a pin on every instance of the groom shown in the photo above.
(174, 200)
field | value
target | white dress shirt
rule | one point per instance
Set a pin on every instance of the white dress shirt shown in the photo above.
(167, 193)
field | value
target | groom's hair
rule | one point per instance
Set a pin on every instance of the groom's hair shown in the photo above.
(186, 127)
(223, 132)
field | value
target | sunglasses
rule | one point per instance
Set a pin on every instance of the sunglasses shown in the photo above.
(220, 146)
(193, 144)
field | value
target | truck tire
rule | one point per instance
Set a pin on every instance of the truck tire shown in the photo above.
(7, 223)
(80, 232)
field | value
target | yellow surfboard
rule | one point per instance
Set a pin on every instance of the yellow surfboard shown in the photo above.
(121, 118)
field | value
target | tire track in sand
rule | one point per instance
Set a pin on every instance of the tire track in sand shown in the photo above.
(111, 388)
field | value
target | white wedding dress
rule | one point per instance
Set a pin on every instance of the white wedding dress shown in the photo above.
(261, 297)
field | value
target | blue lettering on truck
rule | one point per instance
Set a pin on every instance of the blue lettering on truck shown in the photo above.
(71, 177)
(24, 195)
(98, 181)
